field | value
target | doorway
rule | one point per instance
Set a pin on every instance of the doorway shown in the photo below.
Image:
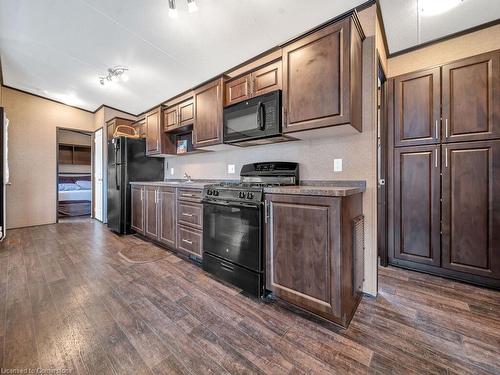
(98, 175)
(74, 173)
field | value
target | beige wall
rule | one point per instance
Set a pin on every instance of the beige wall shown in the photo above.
(358, 151)
(31, 197)
(453, 49)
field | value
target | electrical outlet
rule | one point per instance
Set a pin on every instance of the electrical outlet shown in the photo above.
(171, 171)
(337, 165)
(230, 169)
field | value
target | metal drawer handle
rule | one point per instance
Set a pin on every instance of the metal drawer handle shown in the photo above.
(187, 241)
(187, 195)
(185, 214)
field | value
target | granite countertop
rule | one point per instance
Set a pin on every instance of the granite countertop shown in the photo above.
(179, 184)
(322, 190)
(332, 188)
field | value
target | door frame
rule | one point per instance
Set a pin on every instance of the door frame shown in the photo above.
(93, 173)
(382, 166)
(89, 132)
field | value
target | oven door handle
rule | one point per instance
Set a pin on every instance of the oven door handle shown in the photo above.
(231, 204)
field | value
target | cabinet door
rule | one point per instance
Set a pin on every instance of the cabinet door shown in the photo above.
(303, 249)
(137, 209)
(471, 207)
(417, 103)
(171, 117)
(237, 90)
(153, 132)
(471, 98)
(316, 89)
(266, 79)
(416, 204)
(186, 112)
(207, 129)
(151, 208)
(167, 203)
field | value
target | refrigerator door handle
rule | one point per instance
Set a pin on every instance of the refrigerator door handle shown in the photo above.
(116, 177)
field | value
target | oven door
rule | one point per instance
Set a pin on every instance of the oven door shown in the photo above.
(255, 118)
(232, 231)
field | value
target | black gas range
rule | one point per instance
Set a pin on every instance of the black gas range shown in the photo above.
(233, 224)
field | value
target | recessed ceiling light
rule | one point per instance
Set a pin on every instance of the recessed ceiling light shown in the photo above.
(435, 7)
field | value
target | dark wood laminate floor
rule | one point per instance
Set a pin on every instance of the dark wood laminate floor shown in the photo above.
(69, 301)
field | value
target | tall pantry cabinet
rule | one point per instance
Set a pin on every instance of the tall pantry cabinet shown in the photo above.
(444, 206)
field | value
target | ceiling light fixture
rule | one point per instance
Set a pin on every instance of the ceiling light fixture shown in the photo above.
(172, 10)
(192, 7)
(118, 73)
(434, 7)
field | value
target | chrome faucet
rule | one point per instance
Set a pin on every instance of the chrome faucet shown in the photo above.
(187, 177)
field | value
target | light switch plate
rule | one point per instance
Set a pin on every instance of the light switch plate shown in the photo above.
(171, 171)
(230, 169)
(337, 165)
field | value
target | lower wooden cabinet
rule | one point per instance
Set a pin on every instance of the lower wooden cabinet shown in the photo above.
(137, 209)
(445, 211)
(312, 258)
(167, 216)
(189, 241)
(417, 195)
(471, 208)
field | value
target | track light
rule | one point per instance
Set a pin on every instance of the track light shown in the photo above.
(172, 10)
(192, 7)
(118, 73)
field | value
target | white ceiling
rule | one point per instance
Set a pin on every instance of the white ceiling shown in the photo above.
(408, 23)
(58, 48)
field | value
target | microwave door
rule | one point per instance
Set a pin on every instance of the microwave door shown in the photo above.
(243, 123)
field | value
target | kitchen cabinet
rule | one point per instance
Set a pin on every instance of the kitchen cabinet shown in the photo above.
(190, 222)
(137, 209)
(417, 194)
(471, 98)
(208, 101)
(167, 216)
(177, 115)
(151, 211)
(157, 142)
(258, 82)
(417, 108)
(322, 75)
(112, 124)
(313, 259)
(471, 208)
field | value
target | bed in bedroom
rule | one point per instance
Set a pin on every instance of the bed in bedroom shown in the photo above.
(74, 195)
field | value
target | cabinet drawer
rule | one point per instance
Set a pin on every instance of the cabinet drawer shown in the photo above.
(190, 214)
(190, 195)
(189, 240)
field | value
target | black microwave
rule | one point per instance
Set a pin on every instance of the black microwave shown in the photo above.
(254, 119)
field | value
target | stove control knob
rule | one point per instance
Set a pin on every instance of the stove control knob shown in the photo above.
(216, 192)
(241, 194)
(250, 195)
(209, 192)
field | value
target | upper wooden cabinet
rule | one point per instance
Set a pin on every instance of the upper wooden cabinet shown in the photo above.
(207, 128)
(156, 141)
(322, 76)
(258, 82)
(471, 98)
(417, 108)
(179, 114)
(140, 127)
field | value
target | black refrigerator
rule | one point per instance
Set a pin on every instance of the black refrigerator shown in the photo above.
(127, 162)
